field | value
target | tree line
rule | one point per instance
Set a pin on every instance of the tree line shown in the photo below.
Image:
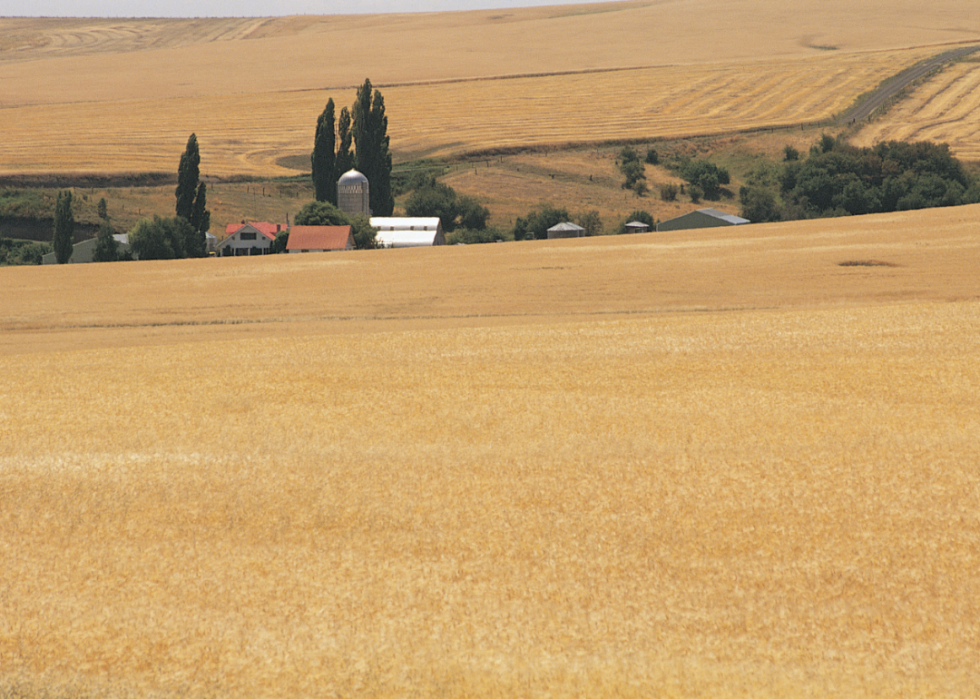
(837, 179)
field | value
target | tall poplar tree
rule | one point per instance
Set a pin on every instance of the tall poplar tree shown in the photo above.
(382, 203)
(345, 158)
(64, 228)
(370, 130)
(191, 192)
(324, 158)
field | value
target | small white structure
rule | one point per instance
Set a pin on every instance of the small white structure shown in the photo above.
(402, 232)
(243, 239)
(637, 227)
(319, 239)
(702, 218)
(566, 230)
(354, 194)
(85, 250)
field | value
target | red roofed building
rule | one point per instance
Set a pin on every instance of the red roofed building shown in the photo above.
(319, 239)
(254, 238)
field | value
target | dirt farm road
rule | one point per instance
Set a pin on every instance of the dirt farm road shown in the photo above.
(866, 107)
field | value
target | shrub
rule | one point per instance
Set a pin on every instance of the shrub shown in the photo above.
(668, 192)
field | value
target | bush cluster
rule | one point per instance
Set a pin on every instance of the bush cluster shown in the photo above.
(837, 179)
(432, 198)
(22, 252)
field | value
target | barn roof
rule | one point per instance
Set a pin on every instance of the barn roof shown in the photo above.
(405, 223)
(319, 238)
(566, 226)
(728, 218)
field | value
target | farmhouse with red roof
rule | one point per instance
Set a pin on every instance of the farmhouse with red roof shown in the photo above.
(254, 238)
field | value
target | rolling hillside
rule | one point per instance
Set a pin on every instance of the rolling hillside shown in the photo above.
(92, 95)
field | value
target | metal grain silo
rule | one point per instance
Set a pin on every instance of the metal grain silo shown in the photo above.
(353, 194)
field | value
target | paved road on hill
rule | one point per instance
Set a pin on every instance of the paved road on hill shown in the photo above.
(900, 82)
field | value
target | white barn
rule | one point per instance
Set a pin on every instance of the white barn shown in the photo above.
(406, 232)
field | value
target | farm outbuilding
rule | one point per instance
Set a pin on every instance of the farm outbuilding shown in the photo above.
(319, 239)
(566, 230)
(85, 250)
(242, 239)
(637, 227)
(354, 194)
(408, 232)
(702, 218)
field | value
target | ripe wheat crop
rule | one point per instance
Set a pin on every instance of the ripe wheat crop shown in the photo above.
(733, 463)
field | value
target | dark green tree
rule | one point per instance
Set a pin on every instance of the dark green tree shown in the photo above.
(106, 246)
(371, 146)
(103, 209)
(590, 221)
(188, 175)
(197, 242)
(64, 228)
(707, 176)
(345, 158)
(537, 222)
(160, 238)
(433, 198)
(632, 169)
(191, 193)
(320, 213)
(324, 156)
(759, 205)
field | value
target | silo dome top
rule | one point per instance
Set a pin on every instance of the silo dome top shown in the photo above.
(351, 177)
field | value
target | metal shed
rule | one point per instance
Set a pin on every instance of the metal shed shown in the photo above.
(566, 230)
(702, 218)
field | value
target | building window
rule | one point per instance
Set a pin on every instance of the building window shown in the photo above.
(247, 236)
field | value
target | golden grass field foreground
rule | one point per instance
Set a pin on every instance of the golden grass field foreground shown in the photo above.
(123, 95)
(709, 463)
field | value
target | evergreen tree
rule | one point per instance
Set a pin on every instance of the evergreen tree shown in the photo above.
(196, 245)
(323, 158)
(382, 203)
(191, 192)
(188, 175)
(64, 228)
(345, 158)
(103, 209)
(371, 144)
(361, 130)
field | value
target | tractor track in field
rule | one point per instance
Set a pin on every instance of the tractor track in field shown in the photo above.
(866, 107)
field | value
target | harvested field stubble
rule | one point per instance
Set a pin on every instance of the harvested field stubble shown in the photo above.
(943, 109)
(96, 95)
(569, 490)
(671, 101)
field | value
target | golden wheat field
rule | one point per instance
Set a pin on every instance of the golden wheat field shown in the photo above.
(716, 463)
(122, 95)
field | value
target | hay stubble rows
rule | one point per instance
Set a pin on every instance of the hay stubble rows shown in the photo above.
(120, 95)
